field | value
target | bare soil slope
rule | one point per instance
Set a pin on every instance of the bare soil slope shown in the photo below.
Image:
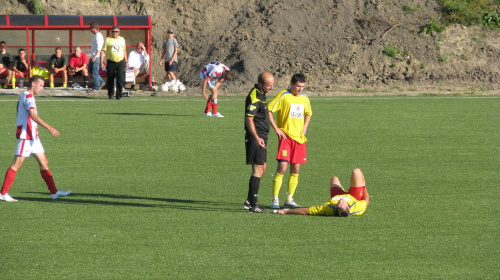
(338, 43)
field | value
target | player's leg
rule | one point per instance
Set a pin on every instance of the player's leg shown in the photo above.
(43, 163)
(258, 171)
(215, 105)
(51, 78)
(71, 74)
(298, 156)
(336, 187)
(65, 77)
(120, 78)
(85, 74)
(357, 186)
(293, 182)
(10, 175)
(257, 157)
(111, 71)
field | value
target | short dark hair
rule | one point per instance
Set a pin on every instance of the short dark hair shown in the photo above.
(115, 27)
(3, 42)
(94, 25)
(230, 75)
(298, 78)
(21, 50)
(339, 212)
(35, 78)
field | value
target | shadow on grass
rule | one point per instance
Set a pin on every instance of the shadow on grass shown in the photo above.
(71, 97)
(145, 114)
(126, 200)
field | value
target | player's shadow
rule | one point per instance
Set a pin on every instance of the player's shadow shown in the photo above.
(137, 201)
(146, 114)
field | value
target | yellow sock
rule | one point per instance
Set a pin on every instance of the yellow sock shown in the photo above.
(278, 180)
(51, 85)
(65, 84)
(293, 182)
(13, 81)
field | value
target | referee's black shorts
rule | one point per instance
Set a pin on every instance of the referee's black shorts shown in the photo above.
(254, 153)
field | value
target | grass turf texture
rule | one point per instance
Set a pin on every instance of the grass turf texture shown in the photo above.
(157, 192)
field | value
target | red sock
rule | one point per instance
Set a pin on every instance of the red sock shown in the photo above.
(49, 180)
(214, 108)
(209, 105)
(10, 175)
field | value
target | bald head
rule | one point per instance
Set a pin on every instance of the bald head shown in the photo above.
(265, 82)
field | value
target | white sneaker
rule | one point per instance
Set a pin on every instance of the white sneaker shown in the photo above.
(291, 203)
(209, 114)
(275, 204)
(60, 193)
(218, 115)
(7, 197)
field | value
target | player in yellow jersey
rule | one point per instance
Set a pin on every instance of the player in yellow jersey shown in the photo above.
(342, 203)
(294, 113)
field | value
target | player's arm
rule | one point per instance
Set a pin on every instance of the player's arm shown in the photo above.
(162, 56)
(366, 197)
(174, 55)
(125, 56)
(204, 88)
(251, 127)
(102, 56)
(39, 121)
(279, 132)
(307, 118)
(295, 211)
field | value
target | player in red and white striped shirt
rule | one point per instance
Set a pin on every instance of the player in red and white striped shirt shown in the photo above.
(212, 76)
(28, 143)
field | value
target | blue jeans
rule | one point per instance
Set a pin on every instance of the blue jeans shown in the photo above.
(94, 66)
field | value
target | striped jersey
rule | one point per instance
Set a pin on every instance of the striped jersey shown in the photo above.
(27, 128)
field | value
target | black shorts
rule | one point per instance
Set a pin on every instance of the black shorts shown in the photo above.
(254, 153)
(79, 73)
(171, 68)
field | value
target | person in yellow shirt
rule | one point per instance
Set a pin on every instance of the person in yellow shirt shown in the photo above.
(342, 203)
(116, 54)
(294, 113)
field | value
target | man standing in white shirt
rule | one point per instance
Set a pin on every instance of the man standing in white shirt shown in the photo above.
(138, 60)
(28, 142)
(95, 56)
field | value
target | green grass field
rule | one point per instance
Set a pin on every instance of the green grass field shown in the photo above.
(157, 192)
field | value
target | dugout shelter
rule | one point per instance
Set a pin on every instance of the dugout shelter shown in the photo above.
(41, 34)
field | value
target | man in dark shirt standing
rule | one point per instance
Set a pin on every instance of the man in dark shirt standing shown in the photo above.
(256, 132)
(5, 64)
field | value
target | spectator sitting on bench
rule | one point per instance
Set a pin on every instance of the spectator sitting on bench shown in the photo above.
(58, 66)
(5, 63)
(20, 66)
(138, 60)
(78, 67)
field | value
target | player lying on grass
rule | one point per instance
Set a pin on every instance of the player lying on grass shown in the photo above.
(342, 203)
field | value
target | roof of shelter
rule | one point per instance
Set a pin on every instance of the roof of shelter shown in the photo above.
(73, 21)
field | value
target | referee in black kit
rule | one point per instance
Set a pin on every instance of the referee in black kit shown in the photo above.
(256, 132)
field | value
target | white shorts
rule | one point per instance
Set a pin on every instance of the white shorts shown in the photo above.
(211, 83)
(25, 148)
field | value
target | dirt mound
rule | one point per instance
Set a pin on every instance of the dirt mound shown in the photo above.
(338, 44)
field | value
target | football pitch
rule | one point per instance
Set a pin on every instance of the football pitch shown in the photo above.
(157, 191)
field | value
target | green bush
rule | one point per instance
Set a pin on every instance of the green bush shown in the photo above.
(470, 12)
(390, 51)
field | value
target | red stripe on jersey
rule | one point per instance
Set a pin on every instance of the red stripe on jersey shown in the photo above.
(29, 129)
(18, 131)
